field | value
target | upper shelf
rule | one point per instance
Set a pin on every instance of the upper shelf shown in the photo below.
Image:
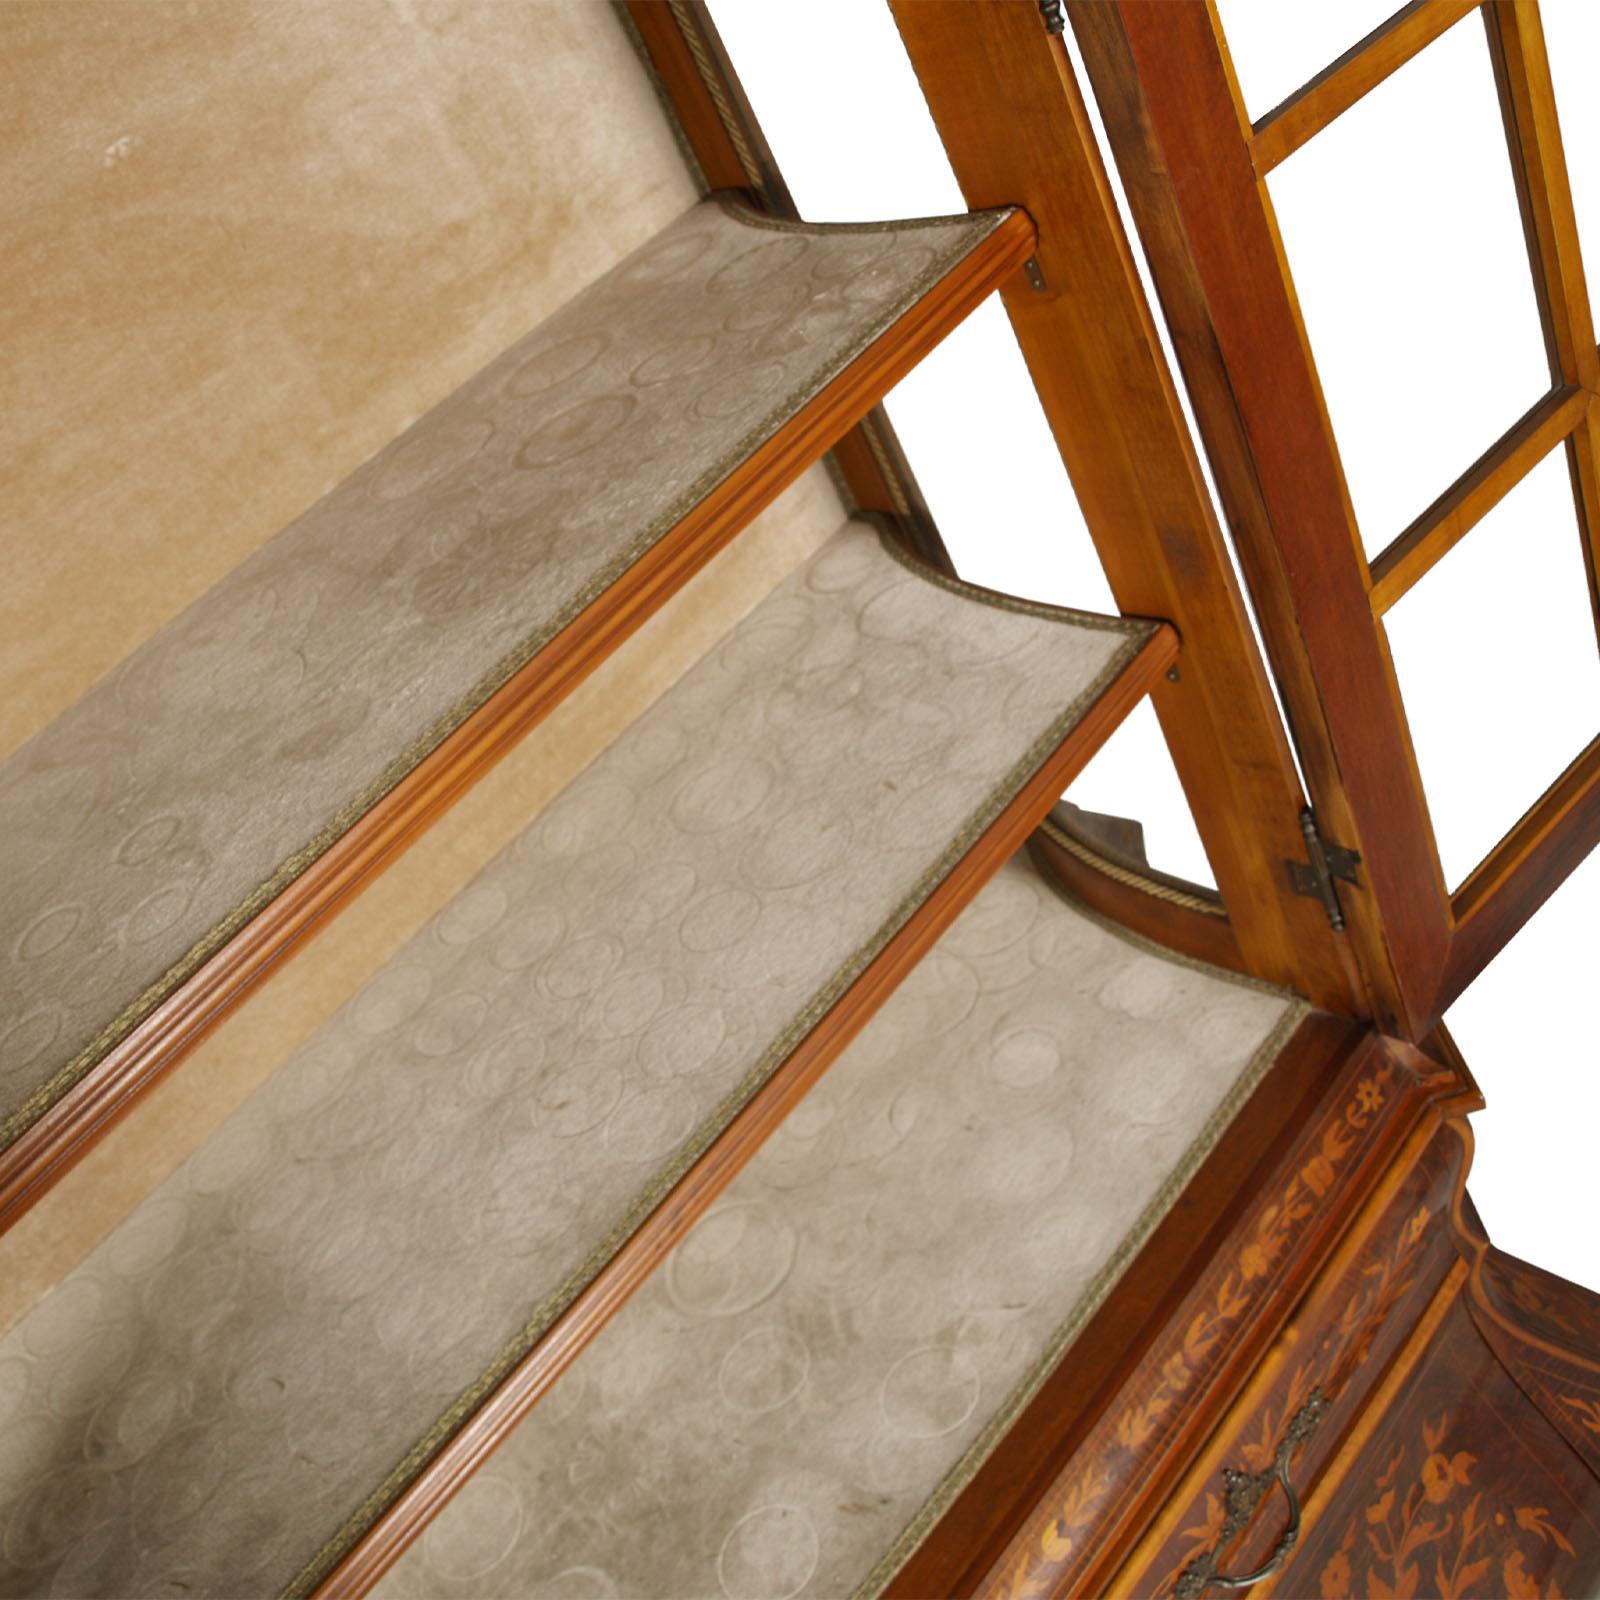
(399, 1241)
(163, 841)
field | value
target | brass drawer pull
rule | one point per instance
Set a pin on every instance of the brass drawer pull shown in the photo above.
(1243, 1492)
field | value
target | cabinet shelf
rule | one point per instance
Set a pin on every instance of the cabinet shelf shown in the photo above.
(440, 1198)
(199, 810)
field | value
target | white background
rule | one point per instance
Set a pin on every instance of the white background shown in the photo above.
(1401, 227)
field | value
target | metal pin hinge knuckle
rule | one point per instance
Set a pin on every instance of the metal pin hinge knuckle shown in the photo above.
(1327, 866)
(1054, 21)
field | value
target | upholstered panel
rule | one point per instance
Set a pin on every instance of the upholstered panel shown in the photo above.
(822, 1362)
(237, 1379)
(246, 245)
(187, 788)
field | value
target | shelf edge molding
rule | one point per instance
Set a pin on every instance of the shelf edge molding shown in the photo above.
(410, 1512)
(67, 1127)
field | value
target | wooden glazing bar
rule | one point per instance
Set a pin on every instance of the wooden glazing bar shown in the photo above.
(1346, 1153)
(1176, 128)
(1476, 492)
(410, 1512)
(1533, 135)
(1523, 871)
(1357, 72)
(68, 1127)
(1583, 464)
(1522, 75)
(1002, 95)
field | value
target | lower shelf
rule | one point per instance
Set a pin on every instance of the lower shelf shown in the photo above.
(819, 1367)
(314, 1328)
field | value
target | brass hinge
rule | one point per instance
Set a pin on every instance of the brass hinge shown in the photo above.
(1315, 878)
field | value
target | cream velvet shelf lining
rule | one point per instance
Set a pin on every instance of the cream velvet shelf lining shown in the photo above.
(233, 1385)
(144, 827)
(815, 1372)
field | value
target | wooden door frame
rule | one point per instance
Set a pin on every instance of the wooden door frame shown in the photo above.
(1194, 169)
(1005, 102)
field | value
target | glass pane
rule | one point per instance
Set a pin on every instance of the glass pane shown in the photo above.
(1405, 240)
(1572, 35)
(989, 469)
(1498, 668)
(1277, 46)
(1526, 1027)
(1133, 776)
(874, 153)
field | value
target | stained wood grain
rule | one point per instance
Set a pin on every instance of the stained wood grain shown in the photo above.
(1356, 73)
(67, 1129)
(729, 1153)
(1538, 164)
(1523, 871)
(1288, 1276)
(1176, 128)
(1014, 125)
(1476, 492)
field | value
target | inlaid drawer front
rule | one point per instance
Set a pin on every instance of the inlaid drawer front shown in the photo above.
(1461, 1489)
(1238, 1509)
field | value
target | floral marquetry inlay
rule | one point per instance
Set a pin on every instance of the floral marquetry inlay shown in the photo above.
(1057, 1542)
(1431, 1530)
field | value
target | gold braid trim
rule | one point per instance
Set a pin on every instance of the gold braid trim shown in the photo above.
(869, 432)
(1058, 836)
(683, 15)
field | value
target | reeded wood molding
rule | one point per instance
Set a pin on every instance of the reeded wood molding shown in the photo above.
(67, 1129)
(1356, 73)
(410, 1513)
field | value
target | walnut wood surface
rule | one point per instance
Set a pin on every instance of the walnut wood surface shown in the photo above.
(1126, 1492)
(1014, 125)
(1351, 1325)
(106, 1092)
(711, 1174)
(1462, 1488)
